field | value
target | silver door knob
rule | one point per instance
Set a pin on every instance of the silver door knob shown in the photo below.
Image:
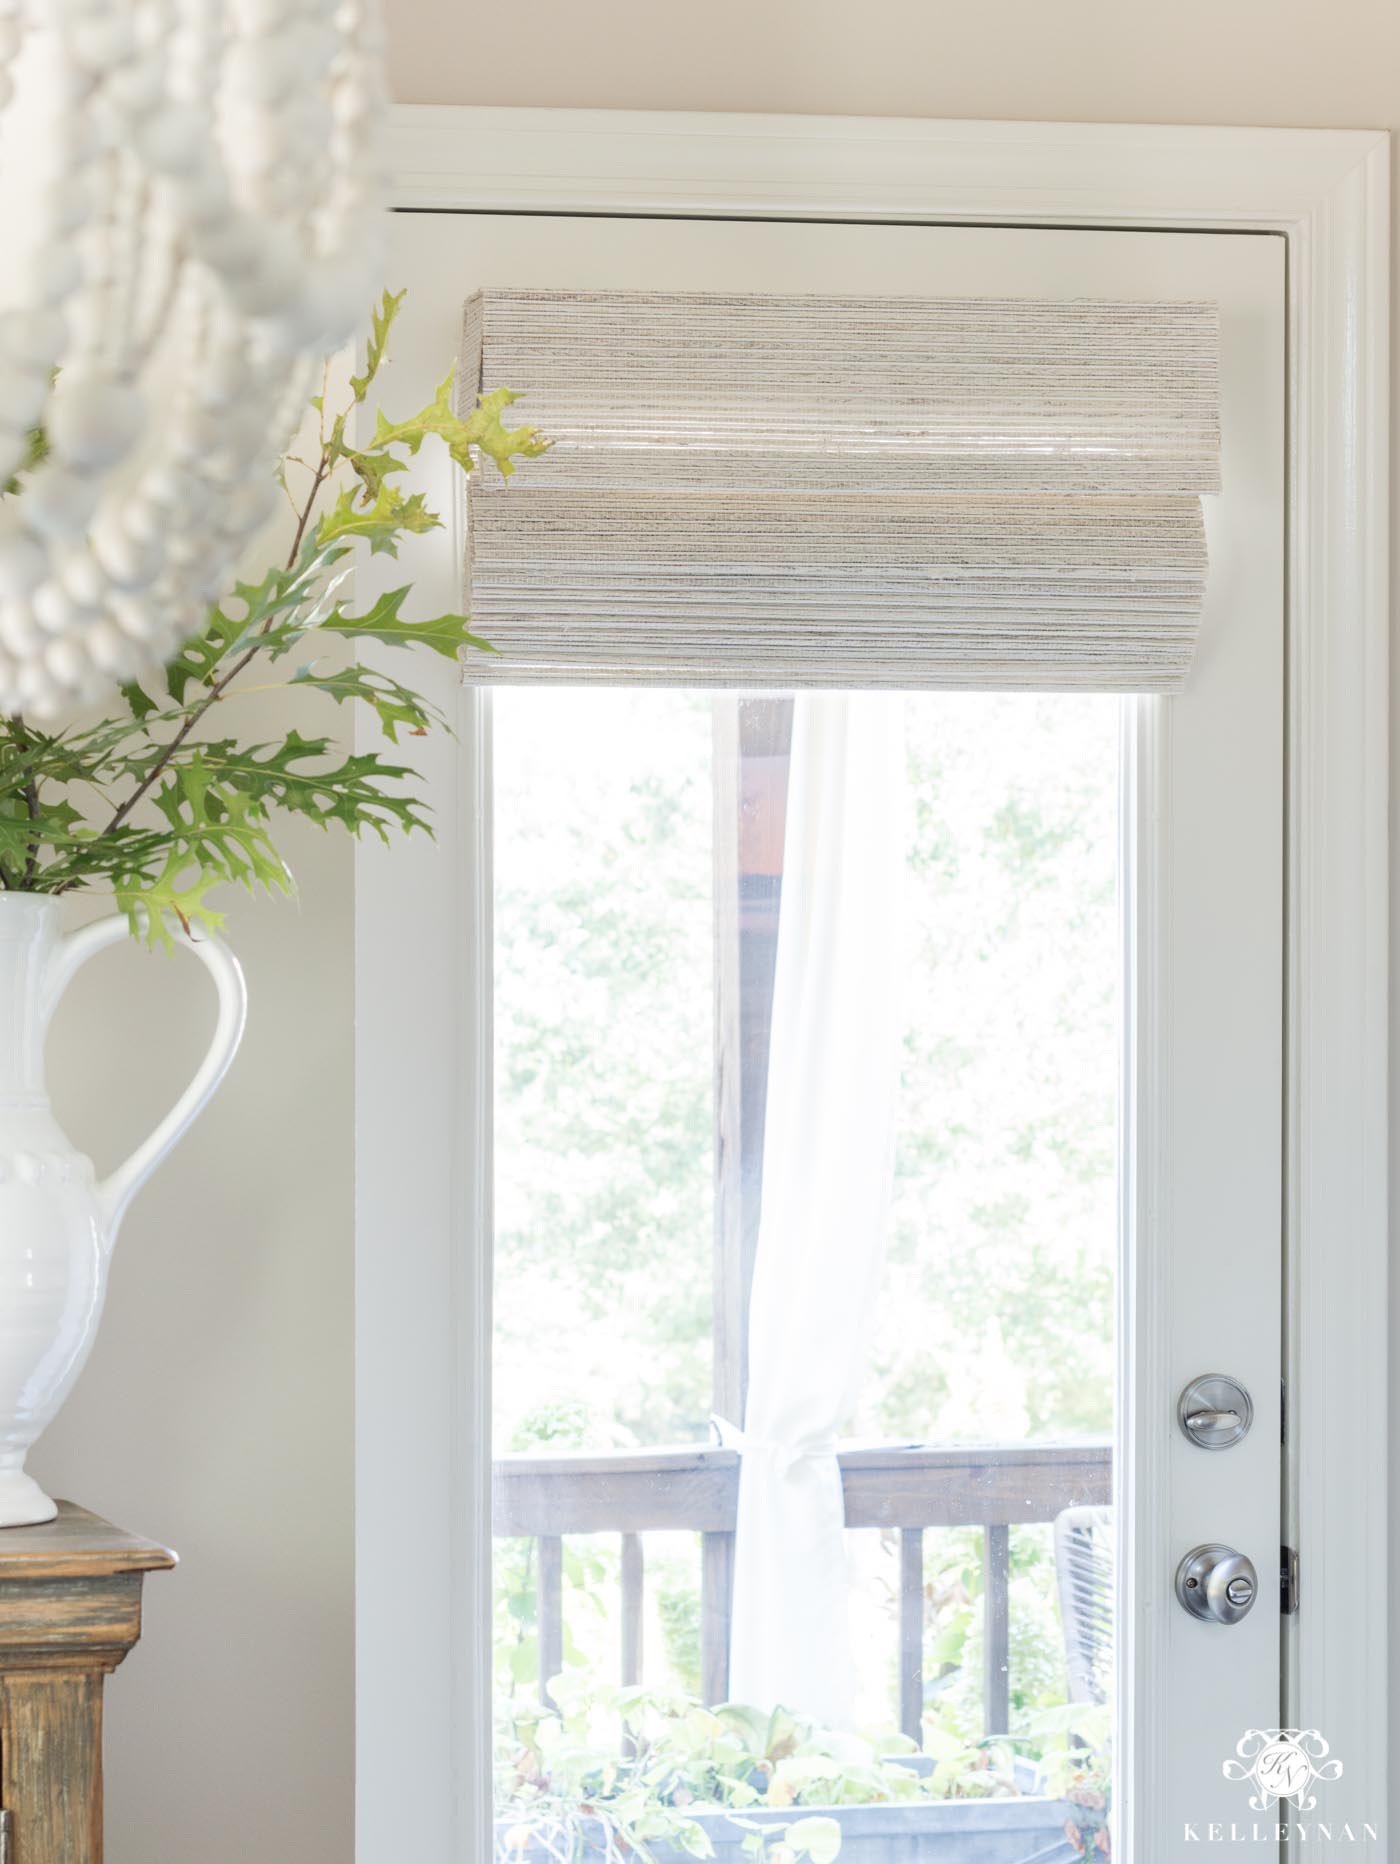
(1216, 1583)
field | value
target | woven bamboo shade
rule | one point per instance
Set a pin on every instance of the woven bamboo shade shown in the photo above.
(850, 492)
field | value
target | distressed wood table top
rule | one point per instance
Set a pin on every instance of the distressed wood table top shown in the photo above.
(77, 1545)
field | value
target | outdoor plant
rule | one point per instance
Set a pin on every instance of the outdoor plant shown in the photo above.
(605, 1774)
(169, 797)
(609, 1773)
(1077, 1767)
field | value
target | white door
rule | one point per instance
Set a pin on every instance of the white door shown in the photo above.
(1194, 965)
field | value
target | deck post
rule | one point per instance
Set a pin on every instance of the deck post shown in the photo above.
(716, 1595)
(996, 1605)
(911, 1634)
(633, 1584)
(551, 1610)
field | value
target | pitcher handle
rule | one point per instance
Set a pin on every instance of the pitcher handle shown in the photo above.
(114, 1193)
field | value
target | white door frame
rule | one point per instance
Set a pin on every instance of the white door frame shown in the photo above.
(422, 1112)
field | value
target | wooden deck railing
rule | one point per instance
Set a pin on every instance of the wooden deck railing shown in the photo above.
(906, 1489)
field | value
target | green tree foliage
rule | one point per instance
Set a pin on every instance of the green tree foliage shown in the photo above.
(996, 1315)
(604, 1114)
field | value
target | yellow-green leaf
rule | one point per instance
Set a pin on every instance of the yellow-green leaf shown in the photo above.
(381, 322)
(482, 430)
(380, 523)
(817, 1839)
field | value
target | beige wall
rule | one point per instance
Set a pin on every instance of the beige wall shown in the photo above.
(1328, 63)
(216, 1411)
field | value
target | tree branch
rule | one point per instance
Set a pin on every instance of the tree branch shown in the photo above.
(20, 737)
(31, 863)
(225, 680)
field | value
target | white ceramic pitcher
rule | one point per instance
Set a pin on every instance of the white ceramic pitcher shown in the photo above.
(57, 1220)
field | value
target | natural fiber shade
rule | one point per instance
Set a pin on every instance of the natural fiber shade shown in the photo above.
(847, 492)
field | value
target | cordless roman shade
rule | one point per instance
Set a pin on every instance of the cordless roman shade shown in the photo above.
(849, 492)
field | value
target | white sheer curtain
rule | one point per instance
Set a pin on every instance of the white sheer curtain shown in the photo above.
(827, 1168)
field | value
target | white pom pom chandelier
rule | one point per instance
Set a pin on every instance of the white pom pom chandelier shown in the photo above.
(189, 214)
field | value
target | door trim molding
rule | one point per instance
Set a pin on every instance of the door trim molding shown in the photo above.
(1326, 192)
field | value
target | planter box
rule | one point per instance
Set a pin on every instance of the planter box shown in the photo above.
(952, 1831)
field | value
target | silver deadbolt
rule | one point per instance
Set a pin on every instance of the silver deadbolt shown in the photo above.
(1216, 1583)
(1215, 1411)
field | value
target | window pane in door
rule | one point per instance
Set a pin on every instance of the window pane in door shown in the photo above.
(807, 1058)
(604, 1126)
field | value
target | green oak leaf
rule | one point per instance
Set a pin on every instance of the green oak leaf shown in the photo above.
(150, 904)
(372, 469)
(444, 634)
(226, 779)
(225, 635)
(396, 705)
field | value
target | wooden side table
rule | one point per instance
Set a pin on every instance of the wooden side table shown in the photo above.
(70, 1610)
